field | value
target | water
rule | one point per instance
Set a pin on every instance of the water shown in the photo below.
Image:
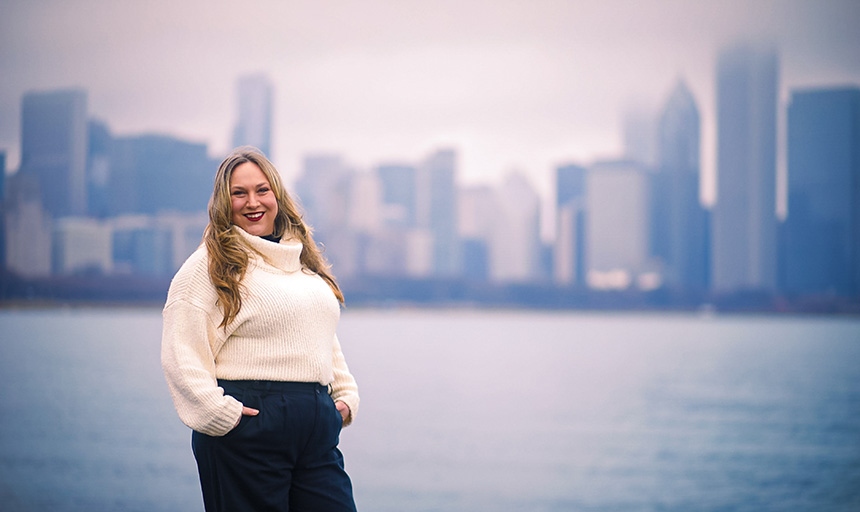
(467, 411)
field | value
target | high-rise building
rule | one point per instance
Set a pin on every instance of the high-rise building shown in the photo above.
(515, 245)
(364, 212)
(98, 169)
(2, 175)
(139, 246)
(27, 227)
(744, 217)
(821, 234)
(324, 193)
(569, 250)
(2, 211)
(679, 232)
(398, 194)
(436, 209)
(639, 134)
(477, 216)
(617, 206)
(156, 173)
(81, 245)
(54, 148)
(155, 245)
(254, 124)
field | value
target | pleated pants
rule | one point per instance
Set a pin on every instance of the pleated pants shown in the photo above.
(284, 459)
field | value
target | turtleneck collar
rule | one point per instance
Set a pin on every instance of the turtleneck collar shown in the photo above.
(284, 255)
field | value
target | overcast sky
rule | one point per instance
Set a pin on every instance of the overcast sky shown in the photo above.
(511, 84)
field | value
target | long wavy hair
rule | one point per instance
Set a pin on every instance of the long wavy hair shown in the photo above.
(228, 253)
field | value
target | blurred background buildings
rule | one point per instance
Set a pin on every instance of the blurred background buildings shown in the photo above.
(87, 203)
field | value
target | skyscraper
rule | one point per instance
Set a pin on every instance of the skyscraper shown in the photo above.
(680, 224)
(436, 209)
(398, 194)
(744, 217)
(515, 246)
(476, 219)
(81, 245)
(155, 173)
(821, 235)
(254, 125)
(100, 141)
(569, 251)
(617, 206)
(324, 192)
(639, 134)
(2, 175)
(54, 148)
(2, 211)
(27, 228)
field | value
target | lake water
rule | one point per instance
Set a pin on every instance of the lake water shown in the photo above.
(468, 411)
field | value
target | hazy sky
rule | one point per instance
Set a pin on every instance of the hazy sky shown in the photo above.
(511, 84)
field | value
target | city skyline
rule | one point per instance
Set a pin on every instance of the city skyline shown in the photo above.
(622, 225)
(510, 85)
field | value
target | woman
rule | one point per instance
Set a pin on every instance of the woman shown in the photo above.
(250, 353)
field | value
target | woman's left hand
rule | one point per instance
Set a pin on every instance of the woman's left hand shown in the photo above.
(343, 409)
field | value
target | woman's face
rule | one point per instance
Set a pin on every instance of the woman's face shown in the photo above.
(254, 202)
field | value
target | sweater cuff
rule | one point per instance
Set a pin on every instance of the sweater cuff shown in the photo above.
(222, 424)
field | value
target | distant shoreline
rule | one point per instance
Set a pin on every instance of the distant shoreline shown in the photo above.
(390, 292)
(851, 310)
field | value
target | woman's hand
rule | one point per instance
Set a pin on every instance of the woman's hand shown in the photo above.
(246, 411)
(343, 409)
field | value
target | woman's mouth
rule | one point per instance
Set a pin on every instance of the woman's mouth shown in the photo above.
(254, 217)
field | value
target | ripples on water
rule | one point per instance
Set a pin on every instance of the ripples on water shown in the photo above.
(469, 410)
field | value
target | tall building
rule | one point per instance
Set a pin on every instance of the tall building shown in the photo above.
(155, 245)
(254, 124)
(54, 148)
(821, 234)
(81, 245)
(325, 192)
(477, 215)
(515, 245)
(617, 207)
(569, 251)
(139, 246)
(639, 134)
(27, 228)
(98, 169)
(398, 194)
(744, 217)
(364, 203)
(157, 173)
(2, 175)
(2, 211)
(436, 209)
(679, 234)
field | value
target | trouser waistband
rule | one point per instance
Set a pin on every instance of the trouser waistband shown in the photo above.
(273, 386)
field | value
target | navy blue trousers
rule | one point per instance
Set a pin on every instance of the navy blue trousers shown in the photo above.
(284, 459)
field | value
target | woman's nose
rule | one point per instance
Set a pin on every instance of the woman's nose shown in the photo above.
(253, 200)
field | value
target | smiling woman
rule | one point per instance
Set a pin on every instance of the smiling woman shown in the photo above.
(261, 279)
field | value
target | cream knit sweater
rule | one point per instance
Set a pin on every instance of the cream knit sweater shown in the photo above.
(285, 331)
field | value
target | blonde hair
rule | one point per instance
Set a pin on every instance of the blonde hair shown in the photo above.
(228, 253)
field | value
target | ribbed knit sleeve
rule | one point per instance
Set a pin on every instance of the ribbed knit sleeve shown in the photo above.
(190, 336)
(344, 387)
(189, 367)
